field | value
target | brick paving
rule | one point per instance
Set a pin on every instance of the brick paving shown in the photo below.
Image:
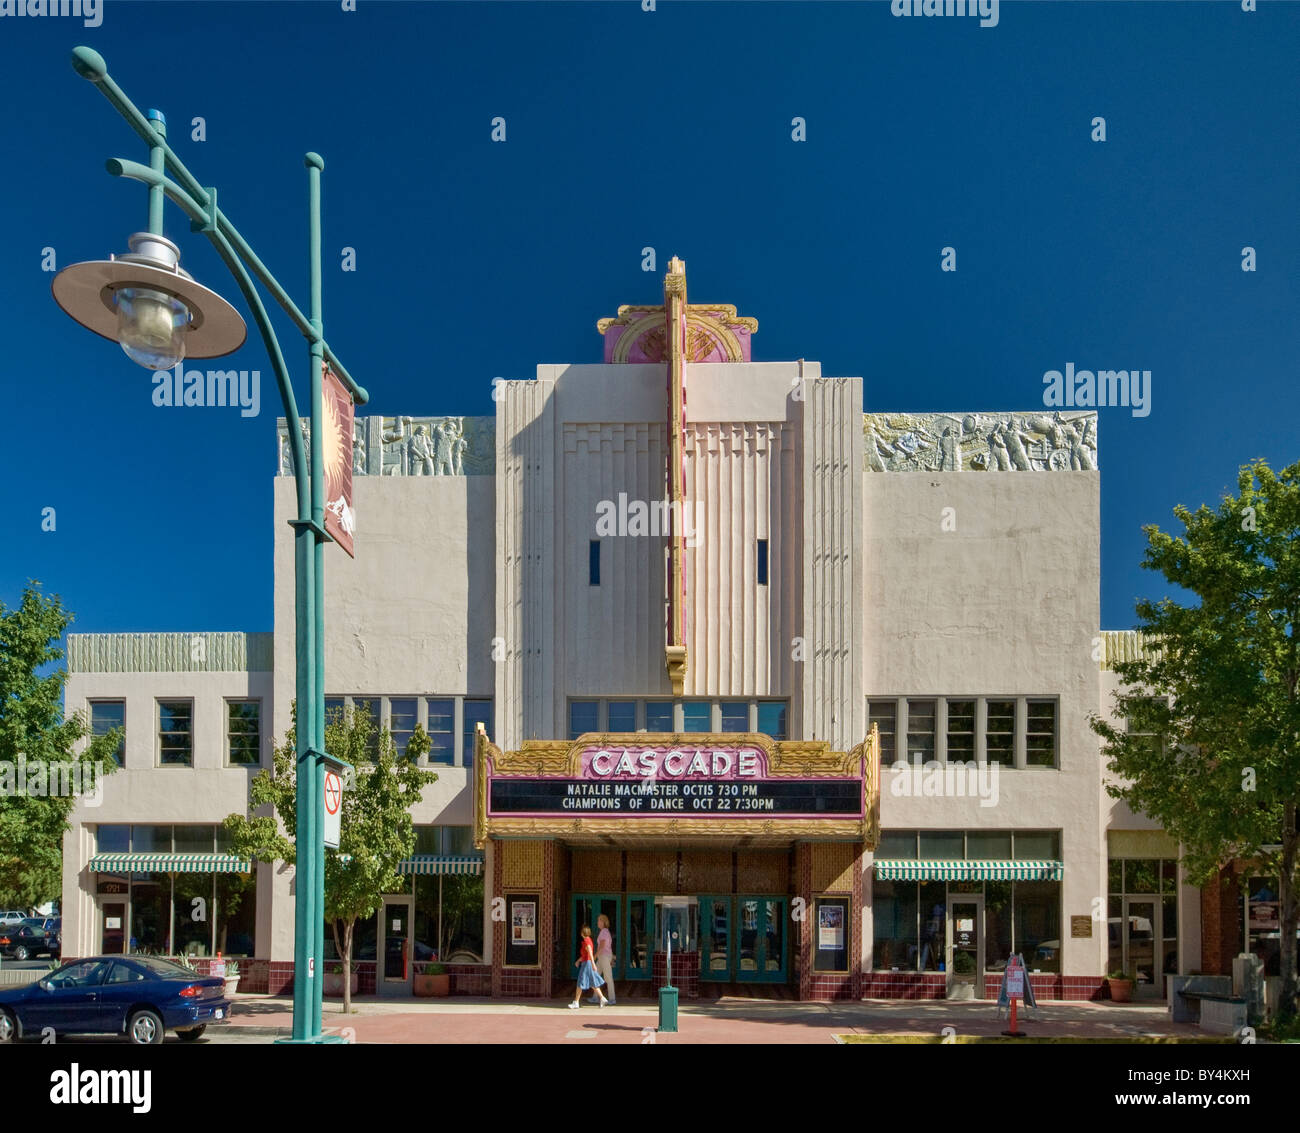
(728, 1021)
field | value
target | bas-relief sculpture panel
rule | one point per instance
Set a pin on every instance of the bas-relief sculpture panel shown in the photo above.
(412, 446)
(979, 442)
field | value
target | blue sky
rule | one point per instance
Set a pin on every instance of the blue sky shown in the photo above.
(669, 129)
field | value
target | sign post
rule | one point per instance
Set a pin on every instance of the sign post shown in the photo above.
(1014, 985)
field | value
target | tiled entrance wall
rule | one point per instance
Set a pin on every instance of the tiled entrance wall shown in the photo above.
(528, 867)
(832, 869)
(276, 977)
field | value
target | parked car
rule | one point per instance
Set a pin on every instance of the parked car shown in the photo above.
(28, 939)
(12, 916)
(141, 997)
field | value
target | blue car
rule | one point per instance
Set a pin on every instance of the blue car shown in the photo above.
(139, 996)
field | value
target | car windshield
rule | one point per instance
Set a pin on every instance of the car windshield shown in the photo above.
(32, 922)
(163, 969)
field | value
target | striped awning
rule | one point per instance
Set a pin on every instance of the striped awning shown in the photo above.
(906, 869)
(443, 864)
(169, 863)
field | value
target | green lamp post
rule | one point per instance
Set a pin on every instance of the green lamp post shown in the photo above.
(160, 316)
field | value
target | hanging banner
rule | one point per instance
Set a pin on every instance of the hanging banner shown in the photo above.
(336, 455)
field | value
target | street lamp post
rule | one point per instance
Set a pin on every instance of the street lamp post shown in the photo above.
(160, 315)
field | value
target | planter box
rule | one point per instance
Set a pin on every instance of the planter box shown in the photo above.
(433, 985)
(1121, 991)
(334, 983)
(232, 986)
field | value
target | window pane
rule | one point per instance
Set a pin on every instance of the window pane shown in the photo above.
(474, 712)
(442, 733)
(236, 913)
(893, 925)
(735, 716)
(1142, 876)
(961, 731)
(105, 715)
(458, 840)
(920, 730)
(772, 718)
(897, 844)
(582, 717)
(151, 898)
(997, 925)
(401, 722)
(244, 732)
(989, 844)
(1040, 738)
(943, 845)
(369, 706)
(334, 706)
(1000, 736)
(1115, 870)
(462, 919)
(884, 714)
(113, 839)
(193, 938)
(622, 715)
(151, 839)
(175, 742)
(1038, 924)
(193, 840)
(1044, 845)
(428, 840)
(593, 562)
(934, 917)
(697, 716)
(658, 716)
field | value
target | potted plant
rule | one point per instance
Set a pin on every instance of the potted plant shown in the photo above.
(232, 978)
(431, 978)
(1121, 986)
(334, 981)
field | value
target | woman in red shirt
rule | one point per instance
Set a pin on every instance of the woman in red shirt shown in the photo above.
(588, 977)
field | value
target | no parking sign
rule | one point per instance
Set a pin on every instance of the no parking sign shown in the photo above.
(333, 807)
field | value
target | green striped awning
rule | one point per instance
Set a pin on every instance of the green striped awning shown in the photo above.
(905, 869)
(442, 863)
(169, 863)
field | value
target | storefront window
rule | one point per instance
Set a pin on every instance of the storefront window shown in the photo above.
(932, 899)
(236, 915)
(1264, 923)
(993, 845)
(151, 839)
(1142, 876)
(364, 934)
(897, 844)
(831, 946)
(1037, 845)
(893, 919)
(997, 923)
(150, 913)
(113, 839)
(193, 839)
(192, 912)
(943, 845)
(1038, 924)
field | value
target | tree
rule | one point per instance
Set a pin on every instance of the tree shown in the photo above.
(38, 763)
(1212, 745)
(376, 831)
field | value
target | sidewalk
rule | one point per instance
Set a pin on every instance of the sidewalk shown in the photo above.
(465, 1020)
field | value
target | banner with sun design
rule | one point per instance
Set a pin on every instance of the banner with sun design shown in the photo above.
(336, 454)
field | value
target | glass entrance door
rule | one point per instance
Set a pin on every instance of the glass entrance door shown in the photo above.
(639, 938)
(112, 919)
(395, 947)
(1141, 945)
(760, 940)
(587, 910)
(964, 946)
(715, 938)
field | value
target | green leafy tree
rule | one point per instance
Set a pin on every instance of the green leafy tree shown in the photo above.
(376, 831)
(33, 728)
(1211, 749)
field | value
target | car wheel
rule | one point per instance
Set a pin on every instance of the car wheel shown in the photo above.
(145, 1028)
(20, 953)
(192, 1033)
(8, 1026)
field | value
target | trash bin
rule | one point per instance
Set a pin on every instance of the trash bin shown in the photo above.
(667, 1009)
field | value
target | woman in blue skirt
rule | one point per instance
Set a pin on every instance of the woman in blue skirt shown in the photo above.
(588, 977)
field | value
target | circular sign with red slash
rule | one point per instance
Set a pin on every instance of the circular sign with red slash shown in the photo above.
(333, 792)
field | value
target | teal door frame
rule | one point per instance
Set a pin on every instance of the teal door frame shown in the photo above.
(626, 967)
(707, 928)
(761, 972)
(575, 925)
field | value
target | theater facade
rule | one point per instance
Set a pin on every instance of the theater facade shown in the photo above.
(794, 694)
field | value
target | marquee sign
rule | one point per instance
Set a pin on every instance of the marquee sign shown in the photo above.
(684, 784)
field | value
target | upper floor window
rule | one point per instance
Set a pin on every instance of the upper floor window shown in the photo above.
(584, 716)
(1040, 734)
(773, 718)
(658, 715)
(961, 730)
(884, 714)
(1000, 735)
(1020, 731)
(402, 717)
(442, 730)
(735, 716)
(762, 562)
(474, 712)
(768, 717)
(244, 732)
(920, 731)
(176, 733)
(593, 563)
(697, 716)
(622, 715)
(105, 716)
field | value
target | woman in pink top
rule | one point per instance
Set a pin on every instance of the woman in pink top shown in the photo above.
(605, 955)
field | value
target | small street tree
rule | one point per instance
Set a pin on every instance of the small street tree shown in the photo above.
(376, 830)
(1211, 748)
(37, 760)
